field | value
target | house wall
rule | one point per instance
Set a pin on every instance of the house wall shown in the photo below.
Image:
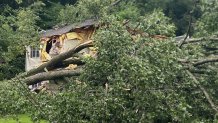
(69, 40)
(31, 63)
(70, 44)
(65, 43)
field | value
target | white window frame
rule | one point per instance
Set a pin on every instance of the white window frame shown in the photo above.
(34, 52)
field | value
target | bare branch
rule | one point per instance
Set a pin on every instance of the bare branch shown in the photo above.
(196, 71)
(204, 61)
(187, 33)
(189, 26)
(196, 40)
(197, 62)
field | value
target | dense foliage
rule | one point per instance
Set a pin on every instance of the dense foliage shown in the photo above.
(134, 78)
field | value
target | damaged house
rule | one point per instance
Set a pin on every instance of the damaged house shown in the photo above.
(60, 40)
(56, 41)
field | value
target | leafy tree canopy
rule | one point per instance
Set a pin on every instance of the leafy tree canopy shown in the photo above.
(135, 77)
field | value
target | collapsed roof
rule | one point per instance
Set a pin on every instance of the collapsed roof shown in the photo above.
(65, 29)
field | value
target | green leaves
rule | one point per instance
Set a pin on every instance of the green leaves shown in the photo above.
(137, 73)
(134, 78)
(207, 24)
(19, 1)
(156, 23)
(18, 29)
(84, 9)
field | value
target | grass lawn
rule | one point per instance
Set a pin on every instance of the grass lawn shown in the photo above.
(22, 119)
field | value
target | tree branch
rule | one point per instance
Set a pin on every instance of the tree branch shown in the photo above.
(199, 71)
(67, 62)
(196, 62)
(213, 106)
(72, 61)
(51, 75)
(54, 61)
(190, 24)
(204, 61)
(196, 40)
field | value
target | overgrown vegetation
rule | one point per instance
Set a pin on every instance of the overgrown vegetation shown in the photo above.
(135, 77)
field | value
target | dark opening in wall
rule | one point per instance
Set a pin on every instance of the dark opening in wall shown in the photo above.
(48, 46)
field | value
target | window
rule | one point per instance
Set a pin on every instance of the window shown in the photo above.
(34, 52)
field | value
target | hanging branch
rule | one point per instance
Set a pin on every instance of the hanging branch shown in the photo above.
(213, 106)
(189, 26)
(187, 33)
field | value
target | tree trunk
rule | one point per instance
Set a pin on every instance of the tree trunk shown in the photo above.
(51, 76)
(57, 59)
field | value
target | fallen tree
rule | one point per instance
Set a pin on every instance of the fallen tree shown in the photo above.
(51, 71)
(58, 59)
(64, 59)
(51, 75)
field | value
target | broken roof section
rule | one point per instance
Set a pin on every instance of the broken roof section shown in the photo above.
(65, 29)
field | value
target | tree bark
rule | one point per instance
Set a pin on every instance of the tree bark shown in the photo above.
(196, 62)
(204, 61)
(57, 59)
(195, 40)
(67, 62)
(51, 75)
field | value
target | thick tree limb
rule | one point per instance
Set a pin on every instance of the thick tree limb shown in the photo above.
(204, 61)
(199, 71)
(195, 40)
(72, 61)
(196, 62)
(210, 48)
(67, 62)
(54, 61)
(51, 75)
(213, 106)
